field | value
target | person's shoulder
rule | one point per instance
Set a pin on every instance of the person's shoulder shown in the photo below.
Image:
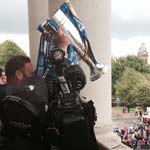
(37, 82)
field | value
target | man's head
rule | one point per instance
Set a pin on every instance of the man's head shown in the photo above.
(17, 68)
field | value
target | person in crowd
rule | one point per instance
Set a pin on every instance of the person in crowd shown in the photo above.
(140, 117)
(128, 107)
(2, 77)
(139, 138)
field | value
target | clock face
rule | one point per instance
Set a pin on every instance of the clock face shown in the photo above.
(144, 53)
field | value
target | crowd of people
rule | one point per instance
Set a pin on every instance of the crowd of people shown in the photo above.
(136, 136)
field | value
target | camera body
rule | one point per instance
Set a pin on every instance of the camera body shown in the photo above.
(72, 115)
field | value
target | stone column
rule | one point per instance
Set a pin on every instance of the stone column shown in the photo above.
(37, 13)
(96, 16)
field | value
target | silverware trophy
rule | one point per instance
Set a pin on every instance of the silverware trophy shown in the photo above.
(66, 19)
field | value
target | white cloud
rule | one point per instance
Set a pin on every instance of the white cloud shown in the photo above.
(13, 16)
(131, 9)
(22, 40)
(130, 26)
(129, 46)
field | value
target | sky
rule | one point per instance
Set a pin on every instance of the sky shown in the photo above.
(130, 25)
(14, 22)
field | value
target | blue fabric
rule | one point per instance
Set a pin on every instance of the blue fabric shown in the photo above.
(72, 56)
(40, 68)
(43, 64)
(80, 27)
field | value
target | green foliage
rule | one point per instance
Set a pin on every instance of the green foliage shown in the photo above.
(142, 95)
(142, 91)
(124, 87)
(8, 49)
(119, 66)
(134, 87)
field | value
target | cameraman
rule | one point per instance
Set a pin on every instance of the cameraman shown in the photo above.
(17, 69)
(20, 72)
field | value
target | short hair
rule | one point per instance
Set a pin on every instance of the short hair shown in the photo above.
(15, 63)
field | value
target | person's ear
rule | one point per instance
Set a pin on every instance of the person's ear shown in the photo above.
(19, 75)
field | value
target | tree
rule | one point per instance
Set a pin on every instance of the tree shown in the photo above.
(119, 66)
(124, 87)
(142, 91)
(142, 94)
(8, 49)
(134, 87)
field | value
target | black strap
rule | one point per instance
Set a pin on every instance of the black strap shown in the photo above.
(22, 102)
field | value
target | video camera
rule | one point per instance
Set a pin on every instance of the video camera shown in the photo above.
(72, 116)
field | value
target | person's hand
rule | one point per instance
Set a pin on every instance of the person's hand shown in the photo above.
(61, 40)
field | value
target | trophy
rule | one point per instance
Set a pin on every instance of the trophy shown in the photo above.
(66, 19)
